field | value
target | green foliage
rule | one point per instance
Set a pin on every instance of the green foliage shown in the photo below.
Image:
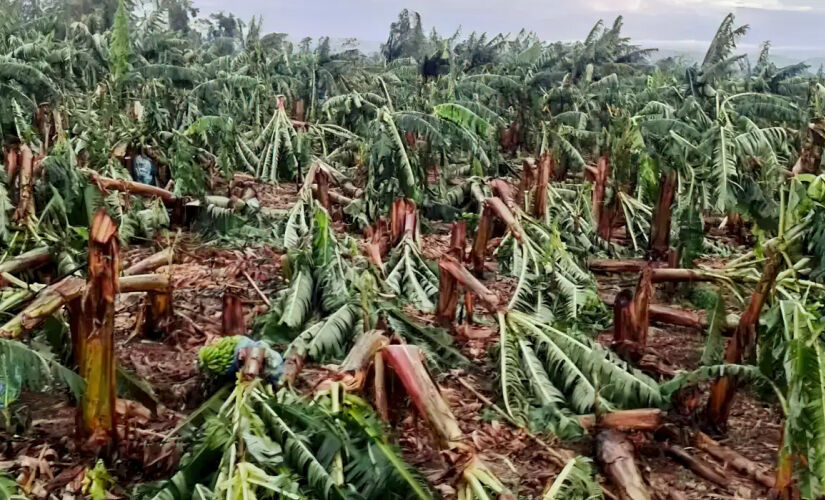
(739, 373)
(805, 424)
(690, 234)
(575, 481)
(297, 301)
(327, 338)
(436, 343)
(97, 481)
(411, 277)
(377, 466)
(794, 352)
(393, 172)
(197, 467)
(330, 268)
(282, 444)
(713, 352)
(551, 279)
(25, 367)
(9, 489)
(565, 369)
(190, 177)
(120, 49)
(464, 117)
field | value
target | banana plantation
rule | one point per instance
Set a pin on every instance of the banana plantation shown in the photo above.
(237, 266)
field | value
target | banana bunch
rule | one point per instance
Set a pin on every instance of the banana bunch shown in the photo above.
(217, 359)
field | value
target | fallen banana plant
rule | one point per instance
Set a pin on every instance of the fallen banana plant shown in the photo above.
(550, 277)
(329, 338)
(564, 372)
(452, 274)
(136, 188)
(277, 143)
(406, 361)
(52, 298)
(410, 276)
(477, 481)
(261, 443)
(26, 261)
(615, 454)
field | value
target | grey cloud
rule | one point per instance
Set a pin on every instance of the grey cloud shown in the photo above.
(669, 21)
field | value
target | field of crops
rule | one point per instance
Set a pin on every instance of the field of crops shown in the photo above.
(465, 267)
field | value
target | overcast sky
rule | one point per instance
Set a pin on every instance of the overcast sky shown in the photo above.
(794, 26)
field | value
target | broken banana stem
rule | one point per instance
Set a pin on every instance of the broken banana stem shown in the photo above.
(53, 297)
(545, 169)
(466, 279)
(643, 419)
(505, 215)
(641, 305)
(615, 454)
(733, 459)
(93, 333)
(502, 190)
(483, 233)
(681, 316)
(458, 240)
(131, 187)
(233, 321)
(700, 467)
(321, 189)
(145, 283)
(406, 362)
(493, 207)
(154, 261)
(357, 363)
(26, 261)
(660, 273)
(380, 388)
(25, 210)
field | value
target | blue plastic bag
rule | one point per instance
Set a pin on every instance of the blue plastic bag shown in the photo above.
(145, 171)
(274, 361)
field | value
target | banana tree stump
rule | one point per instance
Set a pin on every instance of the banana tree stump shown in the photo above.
(95, 332)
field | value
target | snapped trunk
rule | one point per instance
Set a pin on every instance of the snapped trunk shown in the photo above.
(724, 389)
(96, 331)
(660, 225)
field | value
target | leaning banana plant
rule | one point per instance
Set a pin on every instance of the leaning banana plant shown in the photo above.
(551, 279)
(279, 147)
(318, 266)
(798, 344)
